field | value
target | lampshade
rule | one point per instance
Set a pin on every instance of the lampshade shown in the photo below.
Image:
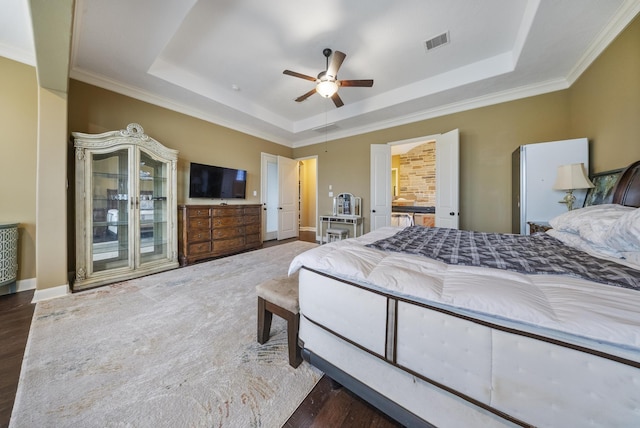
(327, 88)
(571, 177)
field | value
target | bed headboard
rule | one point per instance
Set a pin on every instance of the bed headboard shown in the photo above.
(627, 190)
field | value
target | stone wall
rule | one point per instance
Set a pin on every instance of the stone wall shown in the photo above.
(417, 175)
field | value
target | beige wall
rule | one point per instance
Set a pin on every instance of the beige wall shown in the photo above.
(95, 110)
(51, 194)
(308, 190)
(487, 138)
(605, 103)
(19, 124)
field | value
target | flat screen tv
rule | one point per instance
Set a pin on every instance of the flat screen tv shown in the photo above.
(216, 182)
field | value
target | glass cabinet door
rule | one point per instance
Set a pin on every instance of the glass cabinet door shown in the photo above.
(110, 205)
(152, 212)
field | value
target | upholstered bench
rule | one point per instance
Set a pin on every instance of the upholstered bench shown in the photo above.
(280, 296)
(336, 234)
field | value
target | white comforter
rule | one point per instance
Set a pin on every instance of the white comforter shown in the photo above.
(579, 311)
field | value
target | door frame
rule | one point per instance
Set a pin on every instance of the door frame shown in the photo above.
(386, 176)
(316, 216)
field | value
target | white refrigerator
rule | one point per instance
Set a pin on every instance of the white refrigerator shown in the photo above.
(534, 169)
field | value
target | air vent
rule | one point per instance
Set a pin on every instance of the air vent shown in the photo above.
(437, 41)
(326, 128)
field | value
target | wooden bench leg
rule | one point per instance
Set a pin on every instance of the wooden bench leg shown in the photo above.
(265, 315)
(295, 353)
(264, 321)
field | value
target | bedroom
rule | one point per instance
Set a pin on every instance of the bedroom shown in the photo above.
(603, 104)
(594, 106)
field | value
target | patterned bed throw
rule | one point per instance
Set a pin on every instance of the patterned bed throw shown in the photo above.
(537, 254)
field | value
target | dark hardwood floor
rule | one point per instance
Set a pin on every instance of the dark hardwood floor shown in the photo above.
(16, 311)
(323, 407)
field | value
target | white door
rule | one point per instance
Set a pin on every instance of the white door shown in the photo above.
(287, 198)
(448, 179)
(269, 193)
(380, 186)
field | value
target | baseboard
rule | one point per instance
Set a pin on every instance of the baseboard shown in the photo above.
(18, 286)
(50, 293)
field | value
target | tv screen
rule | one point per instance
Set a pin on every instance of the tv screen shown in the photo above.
(215, 182)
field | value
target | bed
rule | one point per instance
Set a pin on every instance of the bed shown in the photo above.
(438, 344)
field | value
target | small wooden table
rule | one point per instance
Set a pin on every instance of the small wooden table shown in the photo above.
(538, 226)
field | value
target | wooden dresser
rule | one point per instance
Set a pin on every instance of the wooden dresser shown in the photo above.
(208, 231)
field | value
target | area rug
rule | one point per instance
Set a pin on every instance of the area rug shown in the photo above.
(175, 349)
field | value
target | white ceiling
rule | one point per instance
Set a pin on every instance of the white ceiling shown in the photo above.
(222, 60)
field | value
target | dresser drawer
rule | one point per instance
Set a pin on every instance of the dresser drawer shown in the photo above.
(227, 221)
(199, 248)
(229, 232)
(199, 212)
(252, 228)
(251, 240)
(252, 211)
(251, 219)
(199, 235)
(228, 212)
(228, 245)
(199, 223)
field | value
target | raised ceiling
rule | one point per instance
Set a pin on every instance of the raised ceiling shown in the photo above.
(222, 60)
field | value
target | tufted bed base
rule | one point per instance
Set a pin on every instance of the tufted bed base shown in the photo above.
(426, 366)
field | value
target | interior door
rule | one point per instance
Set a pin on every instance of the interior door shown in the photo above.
(380, 186)
(269, 193)
(448, 179)
(288, 223)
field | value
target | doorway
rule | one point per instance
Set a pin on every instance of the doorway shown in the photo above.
(288, 196)
(433, 192)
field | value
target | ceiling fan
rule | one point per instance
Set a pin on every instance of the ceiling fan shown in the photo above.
(327, 82)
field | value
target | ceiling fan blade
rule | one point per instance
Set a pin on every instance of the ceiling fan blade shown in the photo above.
(337, 100)
(363, 83)
(336, 61)
(305, 96)
(300, 75)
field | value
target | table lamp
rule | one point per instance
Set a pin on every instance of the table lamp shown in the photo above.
(571, 177)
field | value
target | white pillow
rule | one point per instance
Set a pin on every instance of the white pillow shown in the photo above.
(592, 223)
(591, 217)
(624, 234)
(574, 240)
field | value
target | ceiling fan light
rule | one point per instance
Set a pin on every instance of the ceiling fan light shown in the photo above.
(327, 88)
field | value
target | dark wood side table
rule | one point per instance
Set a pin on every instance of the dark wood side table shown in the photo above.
(538, 227)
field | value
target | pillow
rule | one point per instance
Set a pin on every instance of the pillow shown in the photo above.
(574, 240)
(593, 217)
(624, 234)
(593, 223)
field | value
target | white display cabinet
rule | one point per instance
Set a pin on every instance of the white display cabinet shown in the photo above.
(126, 206)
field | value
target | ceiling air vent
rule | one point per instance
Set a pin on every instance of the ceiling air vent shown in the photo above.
(326, 128)
(440, 40)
